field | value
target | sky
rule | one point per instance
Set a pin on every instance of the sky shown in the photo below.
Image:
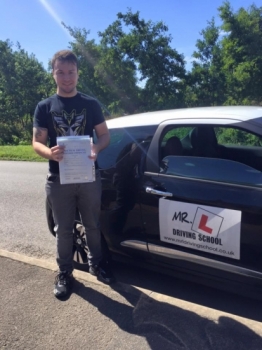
(36, 24)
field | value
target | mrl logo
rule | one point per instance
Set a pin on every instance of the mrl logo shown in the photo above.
(181, 217)
(205, 223)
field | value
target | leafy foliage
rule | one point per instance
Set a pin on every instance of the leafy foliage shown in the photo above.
(228, 66)
(134, 69)
(242, 54)
(146, 48)
(207, 76)
(23, 82)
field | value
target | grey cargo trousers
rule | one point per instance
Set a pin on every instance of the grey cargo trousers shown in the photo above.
(64, 199)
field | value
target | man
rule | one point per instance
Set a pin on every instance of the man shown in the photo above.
(66, 113)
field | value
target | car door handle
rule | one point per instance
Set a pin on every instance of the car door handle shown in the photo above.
(158, 193)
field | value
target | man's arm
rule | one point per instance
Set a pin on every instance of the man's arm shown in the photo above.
(103, 139)
(39, 143)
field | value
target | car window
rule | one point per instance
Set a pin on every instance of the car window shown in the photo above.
(212, 169)
(232, 136)
(122, 141)
(209, 152)
(178, 132)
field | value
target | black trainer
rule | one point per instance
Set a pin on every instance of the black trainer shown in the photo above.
(103, 272)
(63, 282)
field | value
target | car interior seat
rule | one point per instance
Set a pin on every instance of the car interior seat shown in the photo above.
(204, 142)
(173, 147)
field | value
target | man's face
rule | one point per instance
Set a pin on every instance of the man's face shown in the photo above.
(66, 77)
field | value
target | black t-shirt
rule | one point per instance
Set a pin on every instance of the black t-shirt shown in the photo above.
(67, 116)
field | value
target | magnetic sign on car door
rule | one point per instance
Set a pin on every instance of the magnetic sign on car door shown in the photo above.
(209, 229)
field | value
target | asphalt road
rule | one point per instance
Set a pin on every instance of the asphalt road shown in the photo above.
(23, 225)
(216, 319)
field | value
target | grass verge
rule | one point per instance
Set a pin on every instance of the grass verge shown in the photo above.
(22, 153)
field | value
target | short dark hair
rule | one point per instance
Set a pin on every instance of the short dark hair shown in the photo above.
(64, 56)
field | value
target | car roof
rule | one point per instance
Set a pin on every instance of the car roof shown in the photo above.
(237, 113)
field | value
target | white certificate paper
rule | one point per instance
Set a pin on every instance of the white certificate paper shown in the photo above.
(76, 167)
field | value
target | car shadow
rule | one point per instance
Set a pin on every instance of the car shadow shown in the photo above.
(197, 293)
(166, 326)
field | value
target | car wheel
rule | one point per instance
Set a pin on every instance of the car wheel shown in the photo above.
(80, 249)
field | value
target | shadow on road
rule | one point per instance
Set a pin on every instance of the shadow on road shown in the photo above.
(239, 303)
(165, 326)
(196, 293)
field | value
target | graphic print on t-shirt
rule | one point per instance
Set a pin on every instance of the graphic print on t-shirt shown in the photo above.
(69, 124)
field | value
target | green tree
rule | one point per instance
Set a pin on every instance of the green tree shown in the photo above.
(145, 46)
(23, 82)
(242, 54)
(104, 74)
(119, 82)
(206, 80)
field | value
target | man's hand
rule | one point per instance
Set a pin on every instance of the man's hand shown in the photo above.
(57, 153)
(94, 152)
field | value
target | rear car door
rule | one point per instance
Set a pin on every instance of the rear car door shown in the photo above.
(202, 198)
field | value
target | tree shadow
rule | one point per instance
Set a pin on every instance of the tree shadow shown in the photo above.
(166, 326)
